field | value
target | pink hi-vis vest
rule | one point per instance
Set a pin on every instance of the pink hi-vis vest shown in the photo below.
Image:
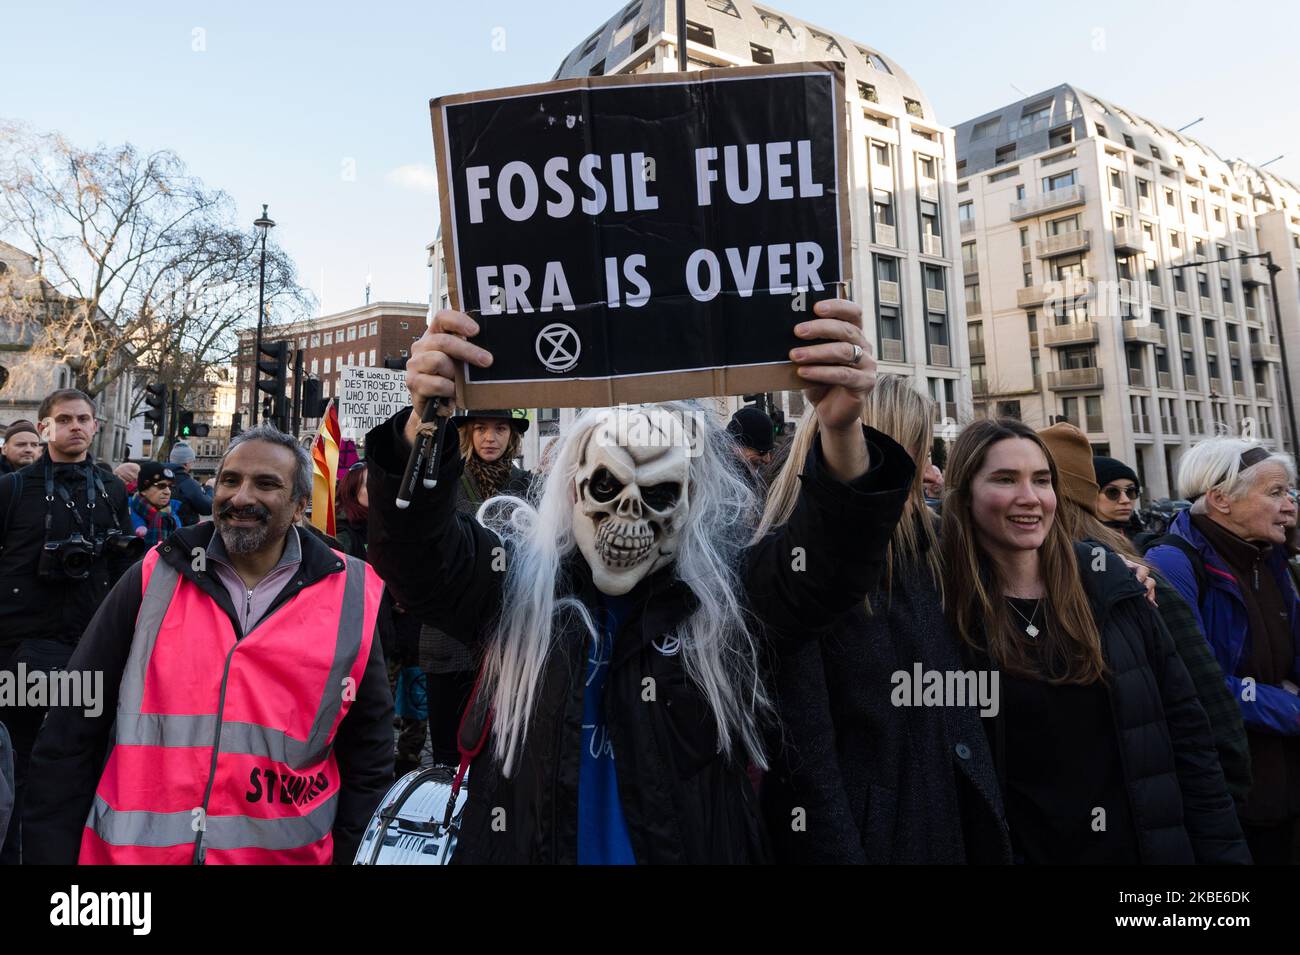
(223, 748)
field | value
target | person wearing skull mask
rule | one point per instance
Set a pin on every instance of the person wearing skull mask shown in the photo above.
(623, 621)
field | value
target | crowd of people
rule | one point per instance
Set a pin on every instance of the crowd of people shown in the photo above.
(676, 641)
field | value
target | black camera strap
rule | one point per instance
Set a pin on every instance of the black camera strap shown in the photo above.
(94, 485)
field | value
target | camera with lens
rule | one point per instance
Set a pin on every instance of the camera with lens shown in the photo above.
(70, 558)
(117, 544)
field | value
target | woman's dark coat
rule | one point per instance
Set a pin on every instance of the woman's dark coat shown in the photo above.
(881, 783)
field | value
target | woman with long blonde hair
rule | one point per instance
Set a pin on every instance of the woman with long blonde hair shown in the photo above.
(880, 782)
(1104, 753)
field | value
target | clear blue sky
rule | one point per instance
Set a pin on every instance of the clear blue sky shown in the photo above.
(285, 94)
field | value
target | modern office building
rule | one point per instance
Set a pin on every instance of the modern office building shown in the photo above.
(902, 169)
(1102, 286)
(1277, 229)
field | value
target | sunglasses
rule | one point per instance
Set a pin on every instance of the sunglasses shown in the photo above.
(1114, 493)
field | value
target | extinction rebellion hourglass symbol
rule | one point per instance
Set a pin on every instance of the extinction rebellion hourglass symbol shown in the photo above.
(558, 347)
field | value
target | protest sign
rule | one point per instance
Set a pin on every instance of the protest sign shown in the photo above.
(369, 397)
(639, 238)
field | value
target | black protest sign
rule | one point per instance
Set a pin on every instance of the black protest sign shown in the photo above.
(639, 238)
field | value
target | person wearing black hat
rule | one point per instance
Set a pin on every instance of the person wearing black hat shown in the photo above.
(155, 515)
(489, 444)
(22, 446)
(1118, 495)
(754, 434)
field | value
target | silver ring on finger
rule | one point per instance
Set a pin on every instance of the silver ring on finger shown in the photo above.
(857, 355)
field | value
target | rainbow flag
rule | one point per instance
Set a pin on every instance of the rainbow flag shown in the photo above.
(325, 470)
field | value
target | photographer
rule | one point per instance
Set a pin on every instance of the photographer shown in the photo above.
(65, 538)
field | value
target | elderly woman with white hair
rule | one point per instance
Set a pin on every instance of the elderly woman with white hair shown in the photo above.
(1226, 557)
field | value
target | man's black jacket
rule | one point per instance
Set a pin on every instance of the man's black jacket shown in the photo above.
(72, 748)
(683, 800)
(32, 607)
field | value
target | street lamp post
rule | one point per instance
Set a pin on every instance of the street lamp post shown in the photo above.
(263, 225)
(683, 62)
(1277, 325)
(1281, 346)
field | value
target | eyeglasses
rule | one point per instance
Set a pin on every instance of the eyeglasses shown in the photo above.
(1113, 493)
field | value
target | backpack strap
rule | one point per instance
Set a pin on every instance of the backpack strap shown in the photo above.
(1190, 552)
(15, 487)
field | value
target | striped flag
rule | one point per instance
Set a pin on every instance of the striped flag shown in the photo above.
(325, 469)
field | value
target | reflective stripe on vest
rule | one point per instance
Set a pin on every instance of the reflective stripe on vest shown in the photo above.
(135, 728)
(217, 776)
(160, 829)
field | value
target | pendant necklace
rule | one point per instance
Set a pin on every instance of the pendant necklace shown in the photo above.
(1029, 621)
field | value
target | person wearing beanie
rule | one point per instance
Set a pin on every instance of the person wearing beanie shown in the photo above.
(1073, 456)
(22, 446)
(1077, 511)
(154, 515)
(1118, 489)
(754, 434)
(195, 501)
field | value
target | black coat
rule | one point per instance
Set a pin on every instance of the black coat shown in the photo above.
(440, 653)
(72, 748)
(683, 801)
(1181, 809)
(56, 610)
(881, 783)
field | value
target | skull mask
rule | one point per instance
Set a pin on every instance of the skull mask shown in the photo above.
(631, 496)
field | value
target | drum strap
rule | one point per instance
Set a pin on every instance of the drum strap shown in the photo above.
(471, 737)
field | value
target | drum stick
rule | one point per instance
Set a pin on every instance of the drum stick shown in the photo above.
(435, 458)
(420, 452)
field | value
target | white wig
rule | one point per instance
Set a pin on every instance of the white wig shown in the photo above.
(1215, 464)
(718, 646)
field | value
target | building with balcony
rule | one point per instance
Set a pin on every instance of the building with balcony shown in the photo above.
(902, 169)
(1075, 213)
(1276, 203)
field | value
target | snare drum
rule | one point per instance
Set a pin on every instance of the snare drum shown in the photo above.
(410, 826)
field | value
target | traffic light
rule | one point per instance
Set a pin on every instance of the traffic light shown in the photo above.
(273, 385)
(236, 423)
(312, 401)
(156, 398)
(189, 429)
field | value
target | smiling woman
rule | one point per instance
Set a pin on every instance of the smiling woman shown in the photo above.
(1103, 750)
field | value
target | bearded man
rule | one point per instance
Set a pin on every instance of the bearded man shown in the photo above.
(246, 716)
(622, 621)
